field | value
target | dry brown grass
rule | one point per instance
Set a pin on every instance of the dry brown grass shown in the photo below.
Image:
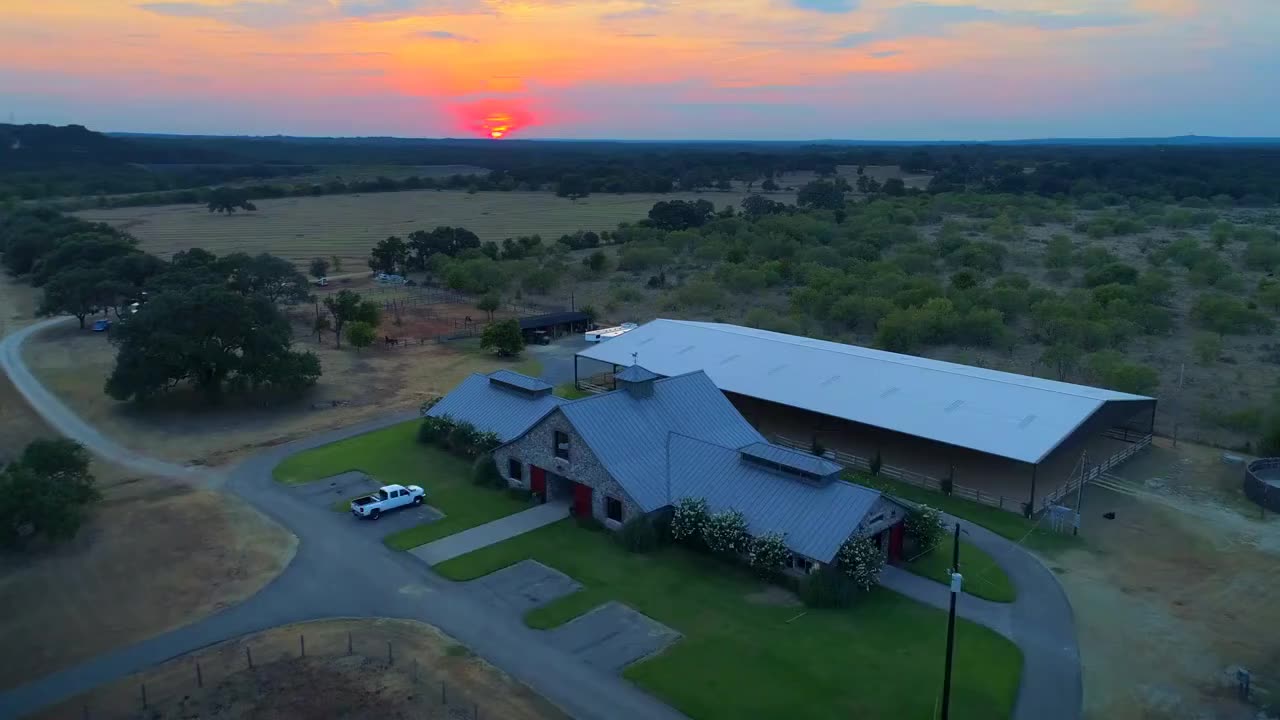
(153, 556)
(327, 683)
(363, 384)
(1180, 586)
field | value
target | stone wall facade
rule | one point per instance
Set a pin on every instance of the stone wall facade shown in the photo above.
(536, 448)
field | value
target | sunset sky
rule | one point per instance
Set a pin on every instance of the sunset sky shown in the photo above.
(647, 69)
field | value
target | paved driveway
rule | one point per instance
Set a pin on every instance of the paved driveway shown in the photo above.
(326, 492)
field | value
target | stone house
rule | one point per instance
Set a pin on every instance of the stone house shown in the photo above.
(654, 441)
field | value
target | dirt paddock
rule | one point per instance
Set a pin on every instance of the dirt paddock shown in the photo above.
(1176, 592)
(347, 672)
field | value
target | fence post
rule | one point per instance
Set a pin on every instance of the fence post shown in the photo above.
(348, 642)
(475, 710)
(390, 660)
(444, 695)
(85, 711)
(144, 696)
(199, 676)
(248, 656)
(302, 645)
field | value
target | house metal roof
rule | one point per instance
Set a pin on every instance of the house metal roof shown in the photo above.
(814, 519)
(518, 380)
(635, 373)
(492, 407)
(1014, 416)
(802, 461)
(628, 435)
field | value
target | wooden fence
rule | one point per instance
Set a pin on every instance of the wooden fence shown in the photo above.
(861, 464)
(1094, 471)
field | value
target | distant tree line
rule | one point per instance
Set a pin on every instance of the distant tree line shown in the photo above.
(74, 161)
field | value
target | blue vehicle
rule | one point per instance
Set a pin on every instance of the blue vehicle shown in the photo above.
(101, 325)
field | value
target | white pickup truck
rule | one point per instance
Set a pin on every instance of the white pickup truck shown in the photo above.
(388, 497)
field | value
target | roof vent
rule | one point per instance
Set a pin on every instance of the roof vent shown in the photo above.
(523, 384)
(637, 381)
(954, 406)
(1026, 421)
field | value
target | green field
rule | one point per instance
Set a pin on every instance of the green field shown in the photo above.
(348, 225)
(745, 654)
(394, 456)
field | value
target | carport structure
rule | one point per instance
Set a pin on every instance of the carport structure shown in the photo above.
(1013, 441)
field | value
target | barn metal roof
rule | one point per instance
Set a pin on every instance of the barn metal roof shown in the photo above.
(628, 434)
(1014, 416)
(491, 406)
(815, 519)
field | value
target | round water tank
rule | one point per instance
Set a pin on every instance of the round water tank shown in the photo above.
(1262, 483)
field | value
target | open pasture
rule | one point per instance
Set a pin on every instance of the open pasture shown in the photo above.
(348, 225)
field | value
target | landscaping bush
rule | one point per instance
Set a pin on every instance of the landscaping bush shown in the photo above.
(827, 588)
(767, 554)
(484, 472)
(638, 535)
(434, 431)
(725, 533)
(689, 520)
(861, 560)
(924, 525)
(520, 494)
(589, 522)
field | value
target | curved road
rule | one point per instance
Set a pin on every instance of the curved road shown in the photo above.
(330, 577)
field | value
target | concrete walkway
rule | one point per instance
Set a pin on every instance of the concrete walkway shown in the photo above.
(491, 533)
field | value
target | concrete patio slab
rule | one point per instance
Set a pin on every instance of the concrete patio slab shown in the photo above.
(613, 636)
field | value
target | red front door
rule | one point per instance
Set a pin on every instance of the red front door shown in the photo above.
(538, 481)
(895, 542)
(581, 500)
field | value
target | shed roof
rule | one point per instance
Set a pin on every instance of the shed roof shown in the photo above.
(628, 435)
(535, 322)
(493, 407)
(1014, 416)
(815, 519)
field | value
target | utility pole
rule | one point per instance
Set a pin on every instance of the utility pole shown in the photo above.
(1084, 477)
(956, 581)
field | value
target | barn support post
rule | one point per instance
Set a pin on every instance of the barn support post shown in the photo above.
(1031, 504)
(1151, 427)
(575, 372)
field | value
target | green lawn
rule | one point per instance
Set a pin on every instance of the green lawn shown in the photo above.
(569, 391)
(394, 456)
(741, 658)
(1002, 522)
(982, 576)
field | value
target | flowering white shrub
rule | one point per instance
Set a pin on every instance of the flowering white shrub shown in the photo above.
(924, 525)
(768, 553)
(689, 520)
(861, 560)
(726, 533)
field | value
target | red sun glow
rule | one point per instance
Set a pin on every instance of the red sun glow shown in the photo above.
(494, 119)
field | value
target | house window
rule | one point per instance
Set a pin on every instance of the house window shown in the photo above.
(561, 445)
(514, 470)
(613, 509)
(799, 562)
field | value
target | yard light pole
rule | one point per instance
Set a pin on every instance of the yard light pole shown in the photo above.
(956, 580)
